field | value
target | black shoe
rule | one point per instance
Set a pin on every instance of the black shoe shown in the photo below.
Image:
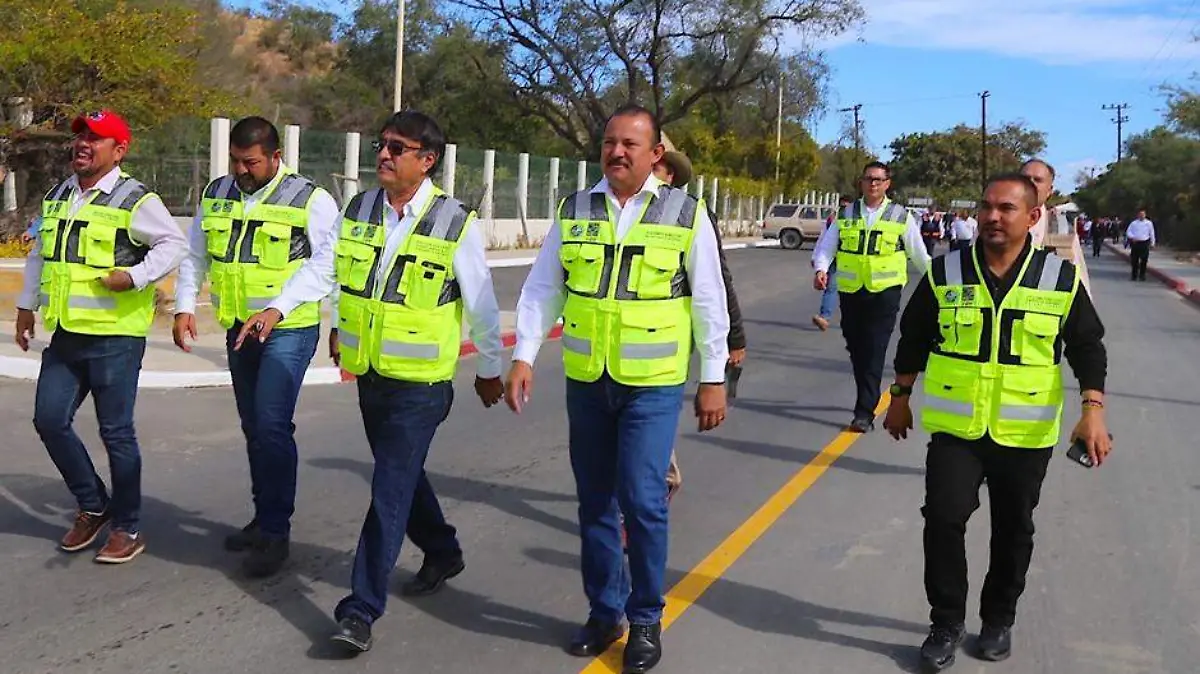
(643, 650)
(244, 539)
(432, 576)
(354, 634)
(862, 425)
(995, 643)
(266, 557)
(937, 653)
(594, 638)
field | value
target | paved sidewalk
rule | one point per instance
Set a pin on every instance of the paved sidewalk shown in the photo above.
(1182, 276)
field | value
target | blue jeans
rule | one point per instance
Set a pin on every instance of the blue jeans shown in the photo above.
(73, 366)
(266, 384)
(621, 438)
(400, 419)
(829, 297)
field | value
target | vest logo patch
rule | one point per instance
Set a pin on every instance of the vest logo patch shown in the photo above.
(593, 230)
(968, 295)
(951, 296)
(216, 207)
(356, 230)
(576, 230)
(228, 207)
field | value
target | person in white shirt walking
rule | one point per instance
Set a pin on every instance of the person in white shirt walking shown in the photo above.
(632, 267)
(873, 239)
(962, 231)
(263, 238)
(1140, 236)
(1042, 174)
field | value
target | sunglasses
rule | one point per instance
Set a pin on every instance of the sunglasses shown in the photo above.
(394, 147)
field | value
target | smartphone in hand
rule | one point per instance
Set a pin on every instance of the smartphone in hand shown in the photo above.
(1079, 454)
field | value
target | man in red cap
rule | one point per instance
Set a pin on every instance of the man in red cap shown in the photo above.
(103, 241)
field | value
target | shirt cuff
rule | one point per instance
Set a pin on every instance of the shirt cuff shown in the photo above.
(185, 305)
(139, 276)
(489, 368)
(527, 350)
(283, 306)
(712, 371)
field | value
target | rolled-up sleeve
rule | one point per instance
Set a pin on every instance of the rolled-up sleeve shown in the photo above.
(710, 310)
(314, 280)
(153, 226)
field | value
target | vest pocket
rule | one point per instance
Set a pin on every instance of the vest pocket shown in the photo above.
(648, 342)
(850, 241)
(49, 236)
(1036, 339)
(422, 284)
(584, 263)
(353, 325)
(582, 354)
(217, 232)
(654, 274)
(409, 339)
(99, 245)
(272, 244)
(353, 263)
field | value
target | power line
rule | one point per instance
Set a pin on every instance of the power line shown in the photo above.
(1119, 121)
(919, 100)
(1171, 34)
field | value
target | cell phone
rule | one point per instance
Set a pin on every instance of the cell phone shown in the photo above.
(733, 373)
(1079, 454)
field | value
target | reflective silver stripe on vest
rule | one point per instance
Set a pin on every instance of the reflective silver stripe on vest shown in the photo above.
(117, 197)
(405, 350)
(953, 261)
(648, 351)
(258, 303)
(348, 339)
(583, 204)
(216, 299)
(885, 274)
(286, 193)
(1029, 412)
(955, 407)
(896, 213)
(445, 218)
(43, 299)
(82, 302)
(577, 345)
(221, 189)
(1050, 272)
(673, 207)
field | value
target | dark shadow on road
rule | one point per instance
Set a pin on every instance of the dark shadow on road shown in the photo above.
(514, 500)
(772, 612)
(179, 536)
(788, 410)
(801, 456)
(481, 615)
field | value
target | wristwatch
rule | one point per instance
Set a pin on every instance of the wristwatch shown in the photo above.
(897, 390)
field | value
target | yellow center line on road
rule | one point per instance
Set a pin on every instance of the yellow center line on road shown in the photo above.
(685, 593)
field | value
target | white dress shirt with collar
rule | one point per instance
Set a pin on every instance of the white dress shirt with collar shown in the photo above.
(152, 226)
(914, 246)
(544, 293)
(470, 269)
(311, 282)
(1141, 230)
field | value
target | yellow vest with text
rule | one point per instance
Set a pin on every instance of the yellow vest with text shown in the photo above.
(406, 322)
(996, 370)
(254, 253)
(78, 251)
(629, 304)
(871, 257)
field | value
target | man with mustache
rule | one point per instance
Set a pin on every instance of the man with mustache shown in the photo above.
(410, 262)
(989, 325)
(873, 241)
(264, 238)
(104, 239)
(631, 266)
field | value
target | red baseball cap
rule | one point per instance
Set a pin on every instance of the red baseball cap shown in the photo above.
(105, 123)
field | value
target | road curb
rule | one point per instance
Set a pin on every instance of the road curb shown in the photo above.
(27, 369)
(1174, 283)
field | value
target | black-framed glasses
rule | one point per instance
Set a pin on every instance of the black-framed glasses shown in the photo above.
(394, 147)
(874, 180)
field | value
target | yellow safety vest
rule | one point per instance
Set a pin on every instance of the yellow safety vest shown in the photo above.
(629, 304)
(406, 323)
(871, 257)
(996, 371)
(255, 252)
(80, 250)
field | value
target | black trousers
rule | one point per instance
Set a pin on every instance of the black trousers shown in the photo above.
(1139, 256)
(867, 323)
(1097, 243)
(954, 470)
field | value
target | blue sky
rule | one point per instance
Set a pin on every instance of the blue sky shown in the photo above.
(1051, 64)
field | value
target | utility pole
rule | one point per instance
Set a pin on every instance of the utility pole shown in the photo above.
(983, 136)
(857, 139)
(779, 130)
(1120, 120)
(399, 56)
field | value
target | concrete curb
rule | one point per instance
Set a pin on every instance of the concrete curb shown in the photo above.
(1178, 285)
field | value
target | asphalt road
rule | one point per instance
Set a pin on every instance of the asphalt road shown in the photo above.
(833, 586)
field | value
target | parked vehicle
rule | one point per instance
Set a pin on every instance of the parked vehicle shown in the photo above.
(795, 224)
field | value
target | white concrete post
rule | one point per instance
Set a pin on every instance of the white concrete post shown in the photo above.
(523, 184)
(449, 166)
(552, 199)
(489, 177)
(725, 207)
(715, 202)
(291, 146)
(218, 148)
(699, 187)
(10, 190)
(350, 166)
(581, 177)
(740, 223)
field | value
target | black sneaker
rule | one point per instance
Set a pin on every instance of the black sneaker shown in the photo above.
(862, 425)
(266, 557)
(937, 653)
(354, 634)
(995, 643)
(244, 539)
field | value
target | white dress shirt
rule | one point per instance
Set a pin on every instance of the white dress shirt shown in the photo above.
(1039, 230)
(151, 226)
(544, 293)
(311, 282)
(914, 245)
(1141, 230)
(470, 270)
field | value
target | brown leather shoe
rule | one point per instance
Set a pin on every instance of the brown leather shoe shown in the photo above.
(821, 323)
(85, 530)
(120, 548)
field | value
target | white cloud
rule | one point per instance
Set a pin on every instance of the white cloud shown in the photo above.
(1065, 180)
(1066, 32)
